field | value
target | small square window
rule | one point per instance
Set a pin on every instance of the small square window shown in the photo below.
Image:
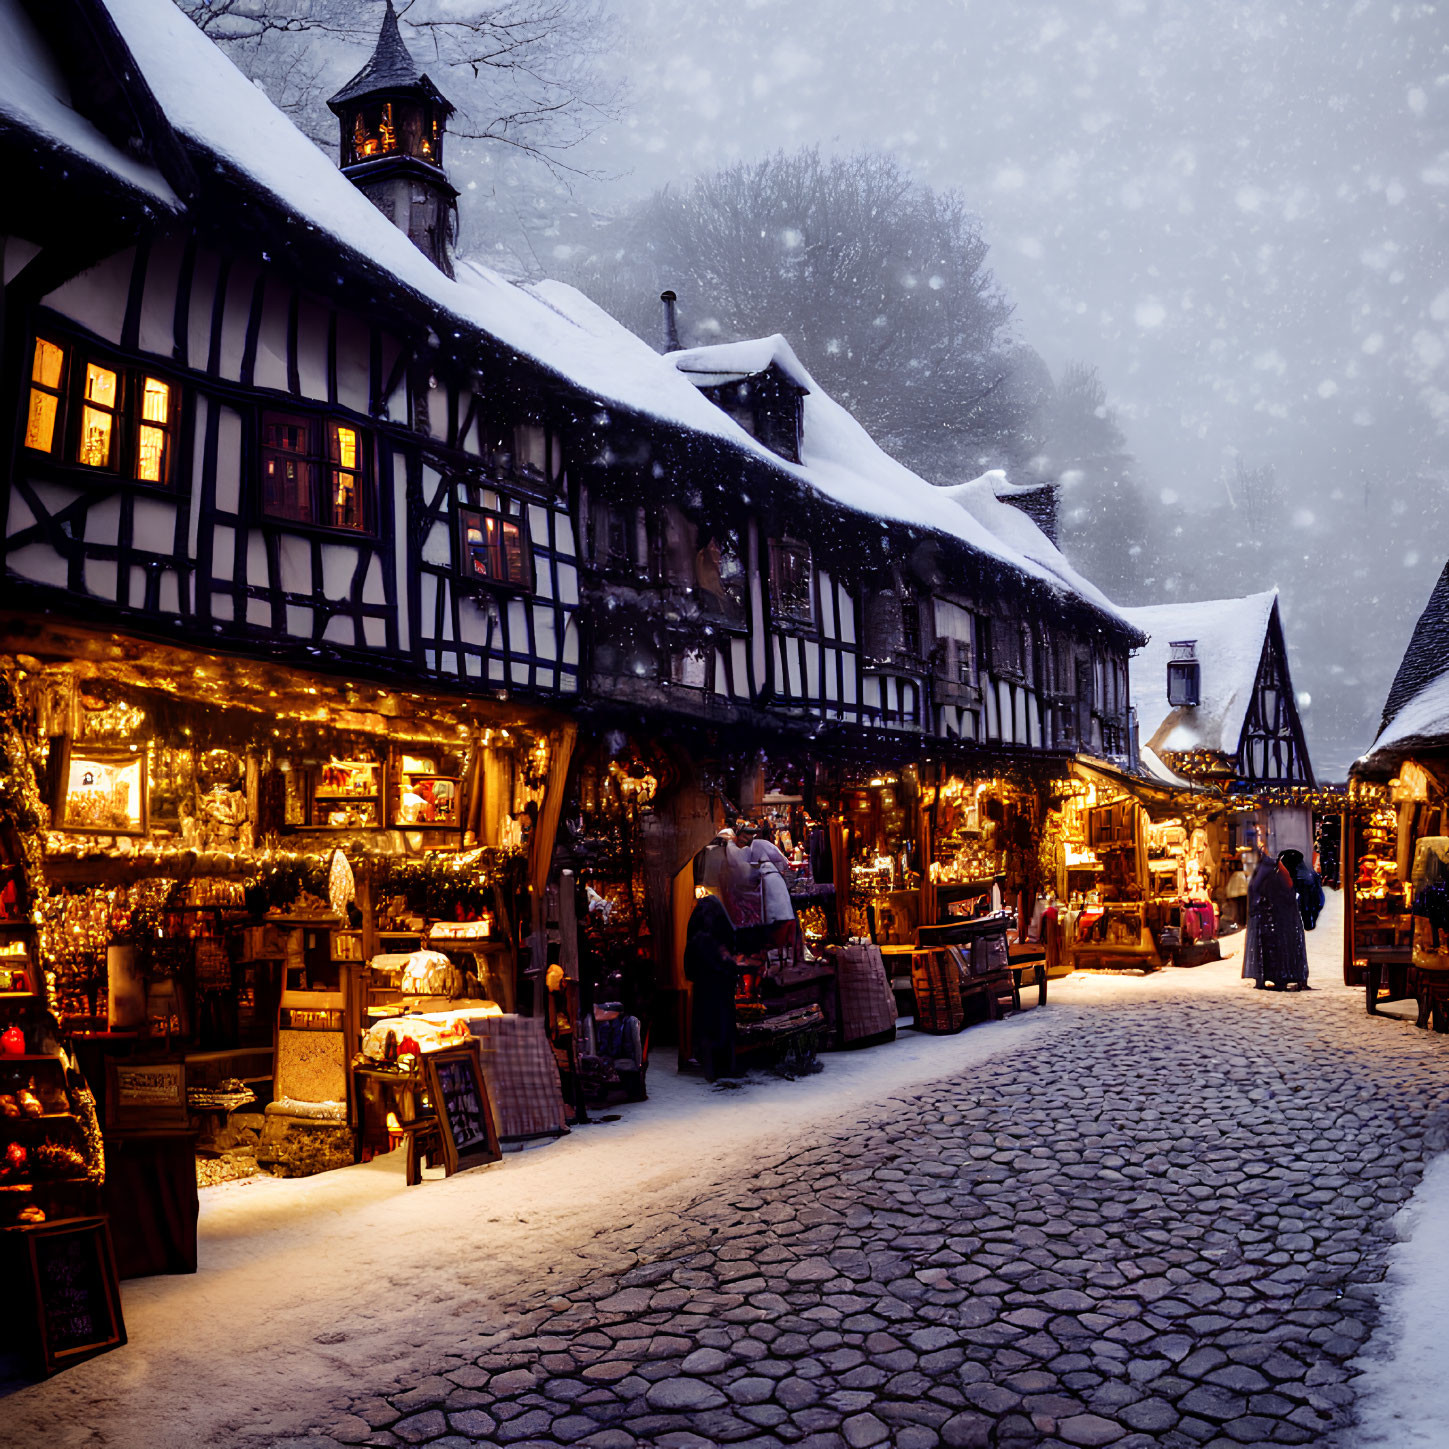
(153, 434)
(98, 416)
(495, 548)
(314, 471)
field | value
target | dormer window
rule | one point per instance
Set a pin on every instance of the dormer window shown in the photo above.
(768, 404)
(1184, 675)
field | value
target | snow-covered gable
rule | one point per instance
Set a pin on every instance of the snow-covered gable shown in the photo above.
(35, 98)
(840, 460)
(1416, 713)
(984, 498)
(1229, 634)
(223, 115)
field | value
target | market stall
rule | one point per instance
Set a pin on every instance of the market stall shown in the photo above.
(243, 869)
(1138, 869)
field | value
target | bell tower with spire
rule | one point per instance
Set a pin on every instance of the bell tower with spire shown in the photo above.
(393, 119)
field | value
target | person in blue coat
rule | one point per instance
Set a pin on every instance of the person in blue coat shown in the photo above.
(1307, 885)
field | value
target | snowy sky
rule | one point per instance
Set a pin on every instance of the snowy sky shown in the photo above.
(1237, 211)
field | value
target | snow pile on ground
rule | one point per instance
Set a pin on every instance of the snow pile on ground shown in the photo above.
(1403, 1390)
(1229, 634)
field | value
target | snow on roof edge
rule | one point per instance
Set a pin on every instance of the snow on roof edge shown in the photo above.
(209, 102)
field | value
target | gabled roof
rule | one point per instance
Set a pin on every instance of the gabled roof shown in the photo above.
(392, 70)
(1416, 713)
(1230, 634)
(985, 499)
(229, 128)
(840, 460)
(37, 98)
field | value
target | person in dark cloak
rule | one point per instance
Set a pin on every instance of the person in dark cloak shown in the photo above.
(1307, 883)
(1275, 952)
(709, 965)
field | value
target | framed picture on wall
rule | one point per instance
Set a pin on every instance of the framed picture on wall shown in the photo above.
(101, 790)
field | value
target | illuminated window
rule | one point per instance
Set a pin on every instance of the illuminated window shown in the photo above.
(345, 490)
(314, 471)
(153, 435)
(45, 375)
(101, 416)
(495, 548)
(98, 417)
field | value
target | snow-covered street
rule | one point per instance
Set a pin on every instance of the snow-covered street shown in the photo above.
(1154, 1213)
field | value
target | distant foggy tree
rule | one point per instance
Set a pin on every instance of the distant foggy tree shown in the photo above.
(1257, 500)
(1103, 525)
(879, 283)
(529, 76)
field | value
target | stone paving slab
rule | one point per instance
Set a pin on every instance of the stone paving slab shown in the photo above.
(1162, 1227)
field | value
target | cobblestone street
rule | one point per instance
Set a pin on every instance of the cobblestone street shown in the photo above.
(1161, 1226)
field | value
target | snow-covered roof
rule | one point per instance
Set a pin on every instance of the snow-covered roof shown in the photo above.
(1229, 634)
(1422, 725)
(984, 498)
(35, 97)
(840, 460)
(222, 114)
(1416, 713)
(734, 361)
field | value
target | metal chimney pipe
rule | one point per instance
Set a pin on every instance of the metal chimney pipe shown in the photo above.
(671, 325)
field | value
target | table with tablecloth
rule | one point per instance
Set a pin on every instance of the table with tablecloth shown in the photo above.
(519, 1066)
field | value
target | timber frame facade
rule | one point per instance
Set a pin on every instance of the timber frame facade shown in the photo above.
(224, 429)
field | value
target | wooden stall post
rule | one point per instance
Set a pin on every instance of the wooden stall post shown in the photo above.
(545, 832)
(568, 959)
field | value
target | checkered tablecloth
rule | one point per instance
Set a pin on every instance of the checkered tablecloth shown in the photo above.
(522, 1076)
(867, 1005)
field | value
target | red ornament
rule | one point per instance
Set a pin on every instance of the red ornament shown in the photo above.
(409, 1047)
(16, 1157)
(12, 1042)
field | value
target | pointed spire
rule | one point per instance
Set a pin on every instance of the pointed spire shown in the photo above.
(392, 69)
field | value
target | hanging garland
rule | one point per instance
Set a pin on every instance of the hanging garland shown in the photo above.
(445, 887)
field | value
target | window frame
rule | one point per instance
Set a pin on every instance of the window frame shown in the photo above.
(323, 456)
(127, 412)
(466, 571)
(780, 548)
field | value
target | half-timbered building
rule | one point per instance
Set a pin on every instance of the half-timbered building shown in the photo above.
(1215, 704)
(283, 478)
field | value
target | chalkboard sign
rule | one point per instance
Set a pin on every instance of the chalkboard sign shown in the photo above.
(465, 1115)
(73, 1289)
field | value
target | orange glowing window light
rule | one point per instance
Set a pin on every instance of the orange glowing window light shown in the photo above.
(98, 417)
(45, 372)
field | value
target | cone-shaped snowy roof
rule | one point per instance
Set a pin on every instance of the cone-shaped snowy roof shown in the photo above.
(391, 71)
